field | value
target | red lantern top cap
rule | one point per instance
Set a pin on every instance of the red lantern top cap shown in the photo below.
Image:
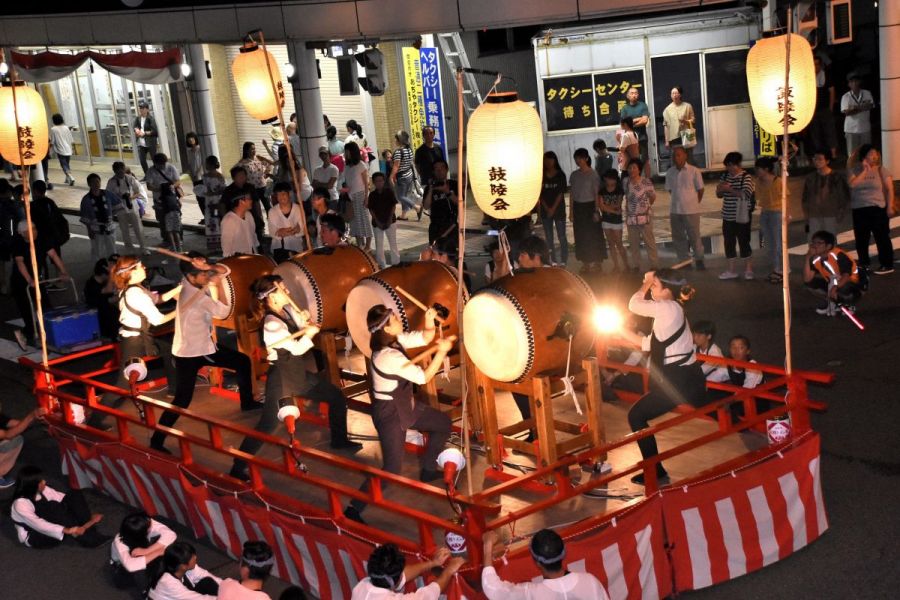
(501, 97)
(249, 46)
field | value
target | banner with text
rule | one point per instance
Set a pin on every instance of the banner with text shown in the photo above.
(588, 101)
(415, 98)
(431, 88)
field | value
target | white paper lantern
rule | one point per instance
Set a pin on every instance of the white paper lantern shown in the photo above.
(34, 134)
(766, 63)
(505, 156)
(251, 78)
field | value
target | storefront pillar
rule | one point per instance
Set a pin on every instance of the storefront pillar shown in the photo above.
(889, 50)
(206, 125)
(307, 102)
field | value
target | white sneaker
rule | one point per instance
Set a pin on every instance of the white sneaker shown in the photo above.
(20, 339)
(748, 275)
(728, 275)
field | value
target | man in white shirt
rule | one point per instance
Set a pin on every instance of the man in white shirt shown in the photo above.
(62, 142)
(326, 174)
(685, 183)
(856, 106)
(549, 553)
(127, 189)
(257, 561)
(193, 347)
(239, 228)
(389, 573)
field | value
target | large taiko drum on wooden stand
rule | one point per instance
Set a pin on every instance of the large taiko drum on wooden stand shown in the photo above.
(518, 326)
(320, 282)
(429, 281)
(245, 269)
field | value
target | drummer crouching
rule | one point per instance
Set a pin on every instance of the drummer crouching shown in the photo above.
(287, 336)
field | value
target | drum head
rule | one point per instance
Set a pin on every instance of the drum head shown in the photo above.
(366, 294)
(498, 335)
(303, 288)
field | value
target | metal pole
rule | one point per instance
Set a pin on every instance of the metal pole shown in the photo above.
(84, 131)
(295, 176)
(785, 217)
(115, 115)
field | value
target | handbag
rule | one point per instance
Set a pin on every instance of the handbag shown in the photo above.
(688, 137)
(176, 189)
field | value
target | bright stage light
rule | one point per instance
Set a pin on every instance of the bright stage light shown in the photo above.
(607, 319)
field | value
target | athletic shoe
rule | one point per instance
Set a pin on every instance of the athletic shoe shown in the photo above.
(6, 482)
(20, 339)
(728, 275)
(828, 310)
(748, 275)
(882, 270)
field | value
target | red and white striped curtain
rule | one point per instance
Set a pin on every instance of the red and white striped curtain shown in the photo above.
(142, 67)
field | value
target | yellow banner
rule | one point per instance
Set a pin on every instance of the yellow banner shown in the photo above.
(415, 98)
(767, 141)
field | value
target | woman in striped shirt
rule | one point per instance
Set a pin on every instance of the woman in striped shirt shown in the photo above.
(403, 176)
(736, 190)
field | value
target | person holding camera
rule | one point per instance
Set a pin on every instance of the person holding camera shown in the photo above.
(441, 202)
(127, 189)
(97, 209)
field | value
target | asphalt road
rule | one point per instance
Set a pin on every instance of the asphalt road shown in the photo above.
(857, 557)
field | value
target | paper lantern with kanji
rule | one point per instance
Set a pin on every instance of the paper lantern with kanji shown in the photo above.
(33, 134)
(506, 150)
(766, 65)
(251, 78)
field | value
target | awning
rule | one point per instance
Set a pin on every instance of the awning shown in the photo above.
(142, 67)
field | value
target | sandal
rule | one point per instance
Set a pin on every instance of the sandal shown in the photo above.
(775, 277)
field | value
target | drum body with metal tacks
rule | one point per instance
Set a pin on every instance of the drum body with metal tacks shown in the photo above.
(429, 281)
(519, 326)
(320, 282)
(235, 288)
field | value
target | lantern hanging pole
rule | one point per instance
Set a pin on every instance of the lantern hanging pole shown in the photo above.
(461, 231)
(295, 175)
(785, 217)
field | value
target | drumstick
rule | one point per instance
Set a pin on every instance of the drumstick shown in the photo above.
(411, 298)
(426, 353)
(177, 255)
(682, 264)
(288, 338)
(300, 312)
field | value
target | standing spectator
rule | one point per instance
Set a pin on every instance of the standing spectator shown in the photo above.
(553, 208)
(603, 160)
(326, 175)
(11, 442)
(293, 139)
(285, 224)
(257, 561)
(256, 171)
(736, 190)
(178, 576)
(403, 176)
(146, 133)
(768, 193)
(49, 222)
(128, 190)
(137, 550)
(355, 135)
(684, 183)
(629, 148)
(172, 215)
(239, 186)
(162, 180)
(427, 154)
(11, 212)
(825, 195)
(677, 116)
(238, 232)
(640, 115)
(213, 183)
(639, 199)
(704, 333)
(872, 202)
(100, 294)
(442, 203)
(195, 170)
(498, 266)
(611, 199)
(277, 142)
(284, 174)
(381, 205)
(388, 574)
(548, 551)
(356, 176)
(61, 141)
(335, 146)
(856, 106)
(97, 209)
(821, 131)
(584, 183)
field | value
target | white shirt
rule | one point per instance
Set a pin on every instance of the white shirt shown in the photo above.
(751, 378)
(231, 589)
(710, 371)
(858, 122)
(119, 553)
(324, 175)
(667, 318)
(156, 177)
(126, 185)
(61, 139)
(364, 590)
(193, 326)
(275, 331)
(169, 588)
(141, 301)
(277, 220)
(22, 511)
(142, 141)
(572, 586)
(353, 178)
(683, 184)
(238, 235)
(391, 361)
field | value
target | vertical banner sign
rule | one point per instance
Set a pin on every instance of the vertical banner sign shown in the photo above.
(763, 141)
(431, 88)
(415, 102)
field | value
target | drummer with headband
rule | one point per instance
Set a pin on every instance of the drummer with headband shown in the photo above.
(675, 374)
(394, 409)
(137, 313)
(287, 336)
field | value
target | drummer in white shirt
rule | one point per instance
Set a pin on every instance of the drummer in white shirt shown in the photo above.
(239, 228)
(389, 574)
(549, 554)
(257, 561)
(285, 223)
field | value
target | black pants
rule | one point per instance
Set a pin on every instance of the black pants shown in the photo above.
(849, 293)
(873, 220)
(524, 405)
(143, 153)
(736, 232)
(669, 387)
(393, 437)
(186, 370)
(73, 511)
(133, 347)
